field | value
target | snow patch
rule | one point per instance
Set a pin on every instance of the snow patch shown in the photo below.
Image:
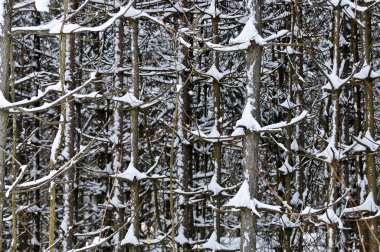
(368, 205)
(242, 199)
(130, 237)
(211, 244)
(42, 5)
(129, 98)
(132, 173)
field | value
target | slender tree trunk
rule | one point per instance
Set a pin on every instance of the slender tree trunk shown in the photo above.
(14, 154)
(118, 194)
(135, 184)
(67, 224)
(299, 127)
(217, 126)
(36, 231)
(5, 26)
(331, 186)
(251, 139)
(371, 239)
(60, 135)
(184, 154)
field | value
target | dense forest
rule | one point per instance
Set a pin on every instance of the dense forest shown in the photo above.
(189, 125)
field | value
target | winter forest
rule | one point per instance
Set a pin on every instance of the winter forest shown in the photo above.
(189, 125)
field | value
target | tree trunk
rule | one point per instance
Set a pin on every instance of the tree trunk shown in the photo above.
(118, 198)
(251, 139)
(217, 126)
(68, 179)
(371, 233)
(135, 184)
(5, 26)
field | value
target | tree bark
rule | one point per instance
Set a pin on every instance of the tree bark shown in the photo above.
(371, 233)
(135, 184)
(5, 41)
(118, 194)
(251, 139)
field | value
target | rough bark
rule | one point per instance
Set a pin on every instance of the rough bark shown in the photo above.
(218, 126)
(4, 77)
(251, 139)
(118, 196)
(371, 240)
(135, 184)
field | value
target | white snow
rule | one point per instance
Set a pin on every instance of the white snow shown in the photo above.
(17, 180)
(214, 73)
(309, 210)
(238, 131)
(95, 242)
(42, 5)
(132, 173)
(41, 180)
(56, 142)
(366, 141)
(247, 120)
(286, 222)
(363, 73)
(212, 10)
(248, 33)
(3, 102)
(211, 244)
(214, 186)
(130, 237)
(59, 27)
(288, 104)
(129, 98)
(2, 15)
(180, 238)
(330, 217)
(115, 200)
(243, 199)
(368, 205)
(354, 5)
(334, 82)
(285, 124)
(330, 153)
(286, 167)
(34, 241)
(294, 145)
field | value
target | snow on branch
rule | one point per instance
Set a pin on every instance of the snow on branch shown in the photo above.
(330, 217)
(130, 99)
(368, 205)
(131, 173)
(17, 180)
(236, 46)
(130, 237)
(211, 244)
(58, 26)
(213, 137)
(5, 104)
(312, 211)
(330, 153)
(55, 173)
(348, 3)
(248, 122)
(242, 199)
(42, 5)
(95, 243)
(363, 143)
(214, 73)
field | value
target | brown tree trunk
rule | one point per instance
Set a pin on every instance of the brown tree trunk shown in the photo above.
(5, 27)
(251, 139)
